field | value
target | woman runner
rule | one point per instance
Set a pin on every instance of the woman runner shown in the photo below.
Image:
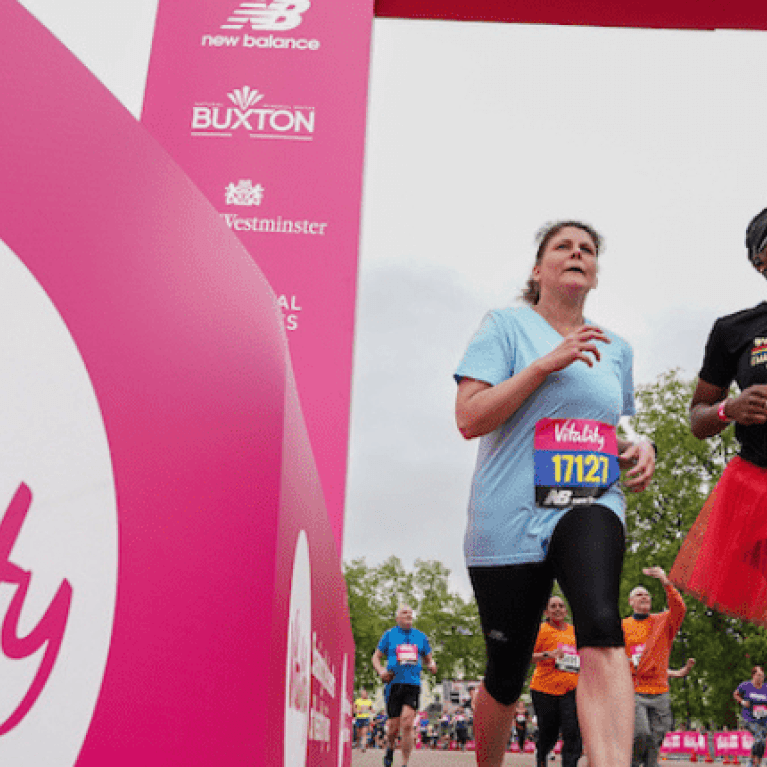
(553, 686)
(544, 387)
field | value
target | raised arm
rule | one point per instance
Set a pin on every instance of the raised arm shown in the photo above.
(676, 604)
(481, 408)
(680, 673)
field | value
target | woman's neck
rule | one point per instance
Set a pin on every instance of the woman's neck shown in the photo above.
(564, 316)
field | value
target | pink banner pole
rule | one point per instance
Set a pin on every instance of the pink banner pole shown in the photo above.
(263, 105)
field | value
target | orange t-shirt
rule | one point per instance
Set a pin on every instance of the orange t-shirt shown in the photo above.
(550, 675)
(648, 644)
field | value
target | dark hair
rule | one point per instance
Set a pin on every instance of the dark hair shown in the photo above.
(532, 292)
(756, 234)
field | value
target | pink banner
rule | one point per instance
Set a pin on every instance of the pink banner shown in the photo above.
(737, 743)
(685, 743)
(530, 747)
(192, 610)
(263, 105)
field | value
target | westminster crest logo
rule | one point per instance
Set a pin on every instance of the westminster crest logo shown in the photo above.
(244, 192)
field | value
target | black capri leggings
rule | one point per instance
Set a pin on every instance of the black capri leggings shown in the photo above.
(585, 555)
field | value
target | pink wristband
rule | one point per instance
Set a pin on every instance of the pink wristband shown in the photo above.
(722, 415)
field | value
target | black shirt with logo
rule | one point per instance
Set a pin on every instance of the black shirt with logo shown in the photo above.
(737, 350)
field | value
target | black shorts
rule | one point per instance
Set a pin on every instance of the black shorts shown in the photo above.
(585, 555)
(402, 695)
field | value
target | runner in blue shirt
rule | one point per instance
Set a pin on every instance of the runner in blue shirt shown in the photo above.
(398, 661)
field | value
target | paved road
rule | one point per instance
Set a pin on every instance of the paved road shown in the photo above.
(374, 758)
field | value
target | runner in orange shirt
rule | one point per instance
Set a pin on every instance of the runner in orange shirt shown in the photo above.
(649, 637)
(553, 686)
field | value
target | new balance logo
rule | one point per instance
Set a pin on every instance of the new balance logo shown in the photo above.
(558, 498)
(275, 15)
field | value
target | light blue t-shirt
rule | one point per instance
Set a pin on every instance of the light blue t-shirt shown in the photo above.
(505, 525)
(404, 650)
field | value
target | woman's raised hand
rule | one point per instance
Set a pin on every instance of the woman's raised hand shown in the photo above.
(578, 345)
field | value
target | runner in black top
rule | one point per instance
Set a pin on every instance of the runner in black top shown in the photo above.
(723, 561)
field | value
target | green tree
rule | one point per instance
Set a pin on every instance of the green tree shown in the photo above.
(367, 618)
(658, 520)
(450, 622)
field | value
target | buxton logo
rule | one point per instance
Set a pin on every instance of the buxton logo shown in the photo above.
(250, 115)
(245, 97)
(277, 15)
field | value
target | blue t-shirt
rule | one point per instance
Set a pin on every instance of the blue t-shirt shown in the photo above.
(505, 525)
(404, 650)
(757, 696)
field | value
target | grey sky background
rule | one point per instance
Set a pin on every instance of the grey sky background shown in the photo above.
(478, 134)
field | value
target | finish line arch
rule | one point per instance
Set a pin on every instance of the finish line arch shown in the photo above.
(183, 261)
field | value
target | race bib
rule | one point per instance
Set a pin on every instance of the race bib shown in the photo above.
(759, 711)
(407, 654)
(570, 661)
(636, 653)
(576, 461)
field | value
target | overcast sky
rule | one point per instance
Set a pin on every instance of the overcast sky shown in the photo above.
(478, 134)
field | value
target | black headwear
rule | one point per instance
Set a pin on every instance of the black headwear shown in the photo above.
(756, 234)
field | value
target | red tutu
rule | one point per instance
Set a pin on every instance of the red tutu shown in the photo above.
(723, 560)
